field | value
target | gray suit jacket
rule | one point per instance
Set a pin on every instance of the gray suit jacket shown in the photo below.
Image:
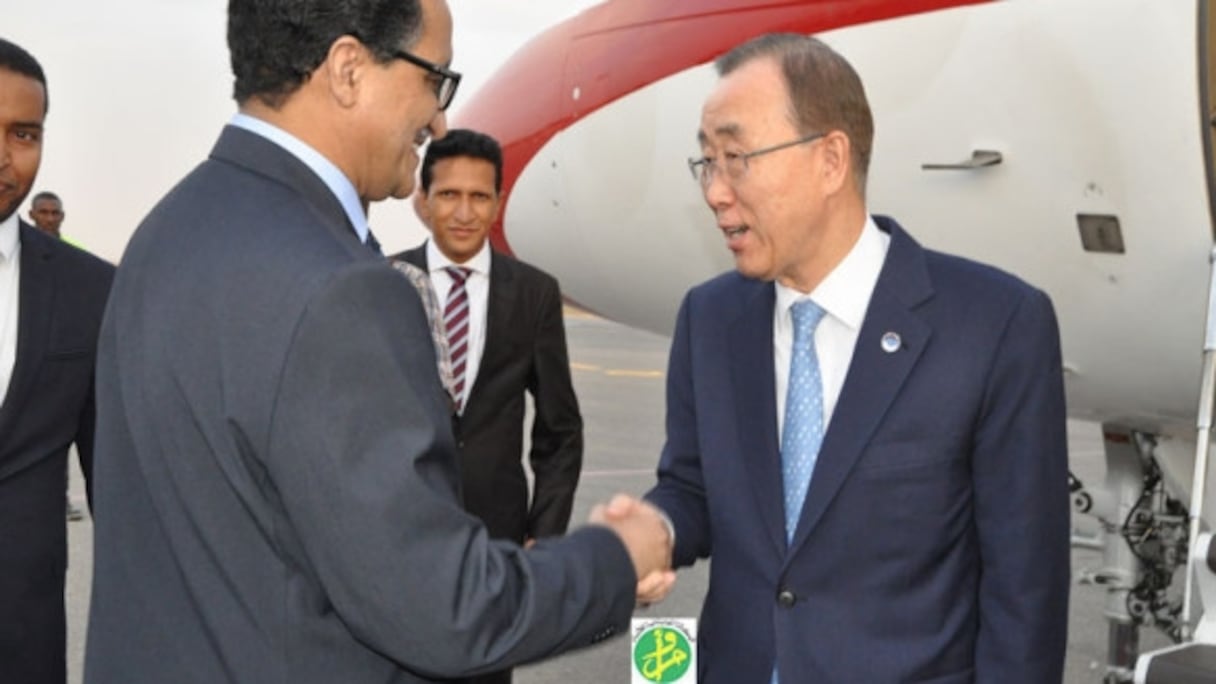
(276, 481)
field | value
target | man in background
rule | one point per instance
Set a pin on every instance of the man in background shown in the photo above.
(503, 320)
(277, 489)
(867, 436)
(46, 211)
(52, 296)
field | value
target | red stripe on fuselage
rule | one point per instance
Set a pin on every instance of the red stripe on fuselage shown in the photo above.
(621, 46)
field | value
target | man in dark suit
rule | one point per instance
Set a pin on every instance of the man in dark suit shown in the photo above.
(276, 485)
(506, 339)
(868, 436)
(51, 300)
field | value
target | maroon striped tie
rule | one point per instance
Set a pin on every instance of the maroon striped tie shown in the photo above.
(456, 325)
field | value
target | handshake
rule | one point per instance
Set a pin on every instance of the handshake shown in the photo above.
(647, 536)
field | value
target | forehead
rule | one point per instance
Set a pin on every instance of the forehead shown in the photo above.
(462, 170)
(748, 102)
(435, 41)
(46, 203)
(22, 99)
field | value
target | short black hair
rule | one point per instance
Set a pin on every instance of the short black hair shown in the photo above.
(46, 194)
(462, 142)
(17, 60)
(275, 45)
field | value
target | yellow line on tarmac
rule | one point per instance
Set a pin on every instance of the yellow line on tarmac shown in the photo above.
(634, 373)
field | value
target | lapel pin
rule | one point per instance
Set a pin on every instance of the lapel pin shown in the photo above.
(891, 342)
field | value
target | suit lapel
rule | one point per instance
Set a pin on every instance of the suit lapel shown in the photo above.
(35, 297)
(751, 349)
(875, 376)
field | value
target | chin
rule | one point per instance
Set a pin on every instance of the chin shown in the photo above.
(751, 270)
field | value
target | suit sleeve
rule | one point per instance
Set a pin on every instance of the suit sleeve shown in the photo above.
(1020, 472)
(680, 491)
(86, 426)
(557, 428)
(363, 457)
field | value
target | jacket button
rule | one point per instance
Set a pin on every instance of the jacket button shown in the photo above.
(786, 598)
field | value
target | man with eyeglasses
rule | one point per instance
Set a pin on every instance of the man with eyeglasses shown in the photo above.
(277, 487)
(868, 436)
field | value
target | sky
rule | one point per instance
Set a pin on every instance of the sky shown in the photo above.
(139, 90)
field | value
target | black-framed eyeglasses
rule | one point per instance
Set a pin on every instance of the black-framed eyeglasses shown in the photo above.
(704, 168)
(445, 84)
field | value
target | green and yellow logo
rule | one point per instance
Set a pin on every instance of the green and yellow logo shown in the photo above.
(662, 654)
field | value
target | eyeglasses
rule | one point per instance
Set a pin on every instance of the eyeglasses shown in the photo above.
(445, 84)
(704, 169)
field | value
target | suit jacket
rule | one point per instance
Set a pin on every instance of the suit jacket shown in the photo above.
(525, 351)
(933, 545)
(276, 481)
(48, 407)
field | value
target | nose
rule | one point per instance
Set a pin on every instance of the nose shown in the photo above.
(439, 125)
(464, 209)
(718, 192)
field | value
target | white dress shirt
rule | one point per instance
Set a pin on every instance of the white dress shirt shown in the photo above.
(845, 295)
(10, 278)
(478, 289)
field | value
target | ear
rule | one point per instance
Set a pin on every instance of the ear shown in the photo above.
(345, 66)
(837, 168)
(421, 208)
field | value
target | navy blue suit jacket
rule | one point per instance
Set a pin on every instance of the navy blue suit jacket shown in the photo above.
(933, 544)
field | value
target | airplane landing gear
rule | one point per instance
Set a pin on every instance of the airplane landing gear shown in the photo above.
(1143, 542)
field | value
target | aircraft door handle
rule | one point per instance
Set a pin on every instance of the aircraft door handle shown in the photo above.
(979, 159)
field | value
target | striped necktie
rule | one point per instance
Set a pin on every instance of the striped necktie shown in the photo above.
(372, 242)
(456, 326)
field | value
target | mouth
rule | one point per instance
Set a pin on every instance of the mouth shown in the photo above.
(734, 236)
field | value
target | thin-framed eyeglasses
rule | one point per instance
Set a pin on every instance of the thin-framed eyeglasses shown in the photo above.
(445, 83)
(705, 168)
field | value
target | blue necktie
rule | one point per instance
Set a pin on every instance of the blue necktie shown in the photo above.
(802, 432)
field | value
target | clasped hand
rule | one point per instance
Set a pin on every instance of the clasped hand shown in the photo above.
(646, 534)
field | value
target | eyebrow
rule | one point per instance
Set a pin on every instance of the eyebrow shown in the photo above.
(729, 130)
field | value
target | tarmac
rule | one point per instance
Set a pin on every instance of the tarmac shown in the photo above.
(619, 377)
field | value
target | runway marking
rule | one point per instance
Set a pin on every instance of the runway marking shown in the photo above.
(577, 313)
(615, 372)
(618, 473)
(634, 373)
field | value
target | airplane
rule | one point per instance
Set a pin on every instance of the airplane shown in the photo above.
(1067, 142)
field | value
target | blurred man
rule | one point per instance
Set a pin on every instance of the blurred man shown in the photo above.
(51, 300)
(277, 490)
(506, 338)
(869, 437)
(46, 211)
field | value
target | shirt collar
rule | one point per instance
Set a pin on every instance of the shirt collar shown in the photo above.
(845, 292)
(9, 237)
(480, 263)
(331, 175)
